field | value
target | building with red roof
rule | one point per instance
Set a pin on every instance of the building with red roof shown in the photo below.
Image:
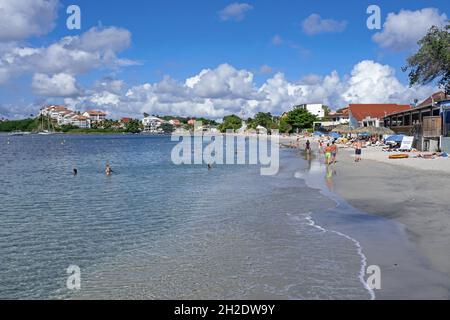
(371, 115)
(95, 115)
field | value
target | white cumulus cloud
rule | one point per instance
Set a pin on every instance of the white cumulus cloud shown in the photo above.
(21, 19)
(404, 29)
(58, 85)
(96, 48)
(315, 24)
(235, 11)
(226, 90)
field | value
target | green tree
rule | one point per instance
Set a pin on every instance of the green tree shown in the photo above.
(22, 125)
(133, 126)
(232, 122)
(68, 127)
(300, 118)
(167, 127)
(251, 123)
(327, 110)
(265, 120)
(284, 126)
(432, 61)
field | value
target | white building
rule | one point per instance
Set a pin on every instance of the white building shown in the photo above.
(64, 117)
(316, 109)
(95, 115)
(53, 112)
(75, 120)
(152, 124)
(80, 122)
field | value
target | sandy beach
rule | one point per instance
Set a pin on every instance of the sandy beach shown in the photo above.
(409, 191)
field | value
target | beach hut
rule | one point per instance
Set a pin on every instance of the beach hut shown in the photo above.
(374, 131)
(343, 129)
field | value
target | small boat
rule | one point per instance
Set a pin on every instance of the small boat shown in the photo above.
(45, 133)
(399, 156)
(17, 133)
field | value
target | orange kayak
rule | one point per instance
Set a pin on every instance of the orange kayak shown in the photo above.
(399, 156)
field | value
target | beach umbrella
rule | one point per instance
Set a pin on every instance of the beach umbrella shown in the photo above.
(396, 138)
(335, 135)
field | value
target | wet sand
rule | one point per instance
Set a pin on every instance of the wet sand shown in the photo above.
(417, 199)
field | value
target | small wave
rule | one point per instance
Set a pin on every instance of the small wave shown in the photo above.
(362, 271)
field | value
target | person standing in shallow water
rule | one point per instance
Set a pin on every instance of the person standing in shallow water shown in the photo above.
(327, 152)
(358, 150)
(308, 146)
(108, 170)
(75, 171)
(334, 150)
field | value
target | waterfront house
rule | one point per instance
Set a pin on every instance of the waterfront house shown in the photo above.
(95, 115)
(175, 122)
(52, 111)
(429, 123)
(372, 115)
(123, 122)
(80, 122)
(152, 124)
(64, 117)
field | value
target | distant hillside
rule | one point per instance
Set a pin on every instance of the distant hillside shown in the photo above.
(22, 125)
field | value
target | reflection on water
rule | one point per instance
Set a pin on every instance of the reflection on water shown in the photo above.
(331, 172)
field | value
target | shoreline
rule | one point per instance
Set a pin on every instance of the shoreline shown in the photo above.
(413, 198)
(409, 244)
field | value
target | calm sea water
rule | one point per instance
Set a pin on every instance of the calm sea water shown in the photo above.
(154, 230)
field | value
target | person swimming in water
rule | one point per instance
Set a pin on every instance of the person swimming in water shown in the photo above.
(108, 170)
(75, 171)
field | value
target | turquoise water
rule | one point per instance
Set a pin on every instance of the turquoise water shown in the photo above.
(154, 230)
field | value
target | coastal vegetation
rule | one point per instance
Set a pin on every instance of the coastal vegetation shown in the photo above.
(296, 120)
(41, 123)
(19, 125)
(232, 122)
(432, 61)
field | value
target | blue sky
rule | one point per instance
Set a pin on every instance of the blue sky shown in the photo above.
(178, 39)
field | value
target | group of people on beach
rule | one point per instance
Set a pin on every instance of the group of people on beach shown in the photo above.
(330, 150)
